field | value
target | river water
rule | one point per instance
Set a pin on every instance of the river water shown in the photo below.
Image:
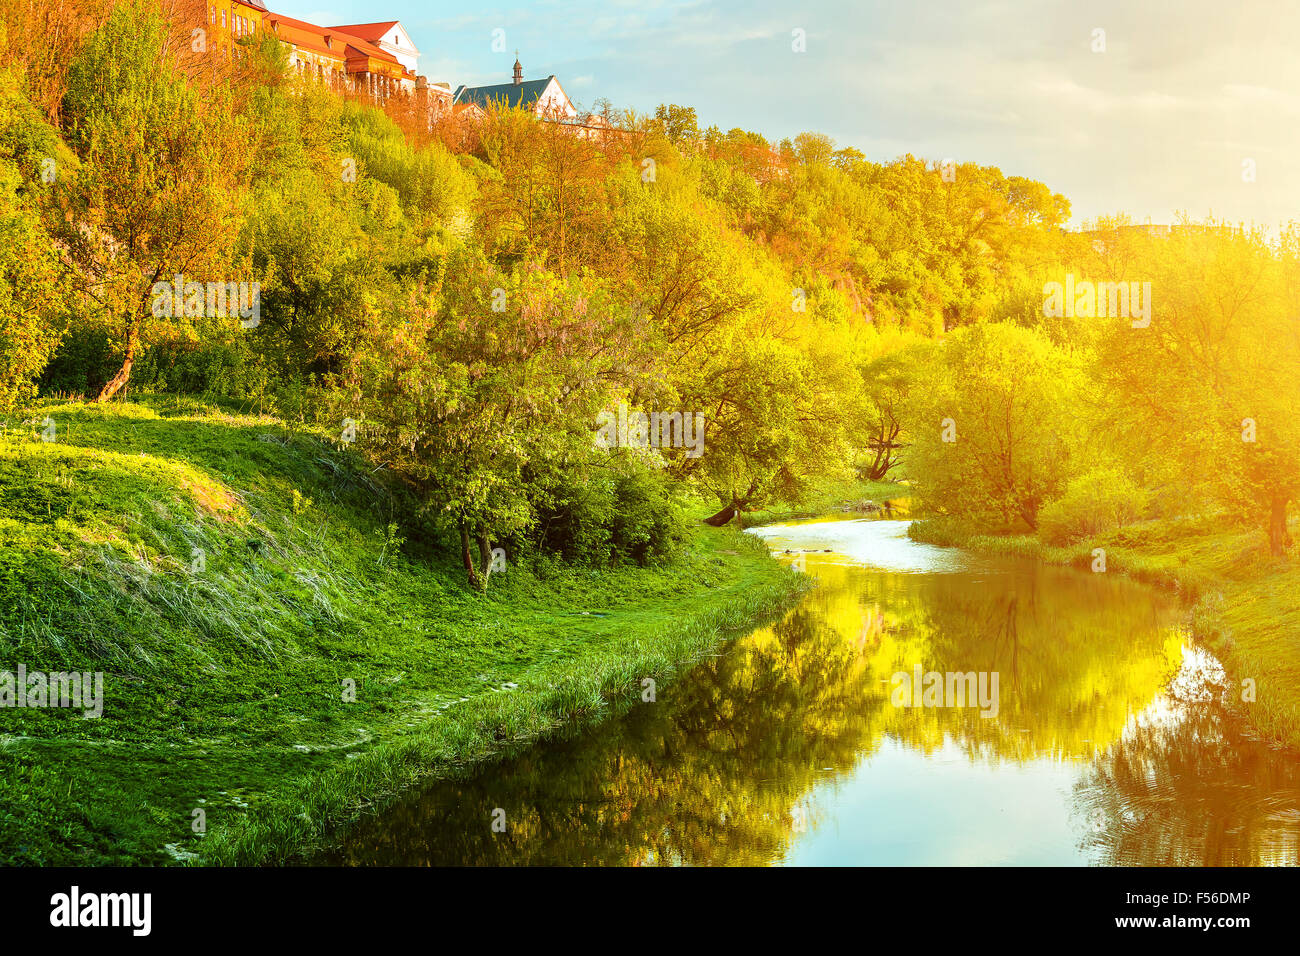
(1111, 739)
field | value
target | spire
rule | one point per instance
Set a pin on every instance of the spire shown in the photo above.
(519, 70)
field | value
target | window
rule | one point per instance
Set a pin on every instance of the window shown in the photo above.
(223, 19)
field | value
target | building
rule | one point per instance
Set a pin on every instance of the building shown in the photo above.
(231, 19)
(545, 98)
(389, 36)
(375, 60)
(344, 60)
(1103, 239)
(379, 61)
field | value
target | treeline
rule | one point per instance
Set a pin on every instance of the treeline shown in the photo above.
(474, 297)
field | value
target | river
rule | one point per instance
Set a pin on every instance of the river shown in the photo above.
(1112, 738)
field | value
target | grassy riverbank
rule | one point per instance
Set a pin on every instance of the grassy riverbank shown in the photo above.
(1244, 604)
(238, 582)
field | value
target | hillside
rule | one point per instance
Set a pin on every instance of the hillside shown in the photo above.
(230, 576)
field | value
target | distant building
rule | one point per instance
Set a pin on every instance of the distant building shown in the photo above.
(231, 19)
(544, 98)
(379, 61)
(376, 60)
(344, 60)
(389, 36)
(1102, 238)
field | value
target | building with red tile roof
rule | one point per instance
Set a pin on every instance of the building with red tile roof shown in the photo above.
(379, 61)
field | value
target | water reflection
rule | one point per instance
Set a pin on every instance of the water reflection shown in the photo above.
(787, 748)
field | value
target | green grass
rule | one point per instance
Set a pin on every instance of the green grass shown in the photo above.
(225, 681)
(1242, 602)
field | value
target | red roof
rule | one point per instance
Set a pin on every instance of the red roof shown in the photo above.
(347, 45)
(374, 32)
(306, 36)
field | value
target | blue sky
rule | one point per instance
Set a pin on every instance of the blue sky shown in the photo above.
(1165, 119)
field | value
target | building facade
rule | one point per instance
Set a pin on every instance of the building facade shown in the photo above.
(374, 60)
(379, 61)
(545, 98)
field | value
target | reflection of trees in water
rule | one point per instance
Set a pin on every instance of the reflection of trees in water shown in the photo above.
(719, 770)
(1075, 656)
(712, 773)
(1175, 792)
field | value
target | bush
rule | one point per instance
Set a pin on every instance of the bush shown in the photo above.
(32, 286)
(1101, 500)
(647, 524)
(84, 360)
(627, 515)
(208, 367)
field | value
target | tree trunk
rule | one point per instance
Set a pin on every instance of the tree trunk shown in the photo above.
(115, 383)
(723, 516)
(1278, 536)
(732, 510)
(1029, 515)
(886, 448)
(468, 560)
(485, 556)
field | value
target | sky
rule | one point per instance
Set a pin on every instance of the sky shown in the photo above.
(1177, 107)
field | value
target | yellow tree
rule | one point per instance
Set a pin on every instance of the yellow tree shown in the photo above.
(160, 186)
(993, 423)
(1212, 383)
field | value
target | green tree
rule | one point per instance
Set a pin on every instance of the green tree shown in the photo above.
(477, 382)
(994, 423)
(32, 293)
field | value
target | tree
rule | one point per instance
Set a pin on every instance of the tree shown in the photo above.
(31, 290)
(777, 421)
(678, 125)
(38, 40)
(544, 193)
(478, 379)
(994, 423)
(1212, 383)
(160, 187)
(887, 382)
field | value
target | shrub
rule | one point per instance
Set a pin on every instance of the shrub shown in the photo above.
(82, 363)
(626, 514)
(1099, 501)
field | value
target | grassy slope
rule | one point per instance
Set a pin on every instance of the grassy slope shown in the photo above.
(224, 686)
(1245, 604)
